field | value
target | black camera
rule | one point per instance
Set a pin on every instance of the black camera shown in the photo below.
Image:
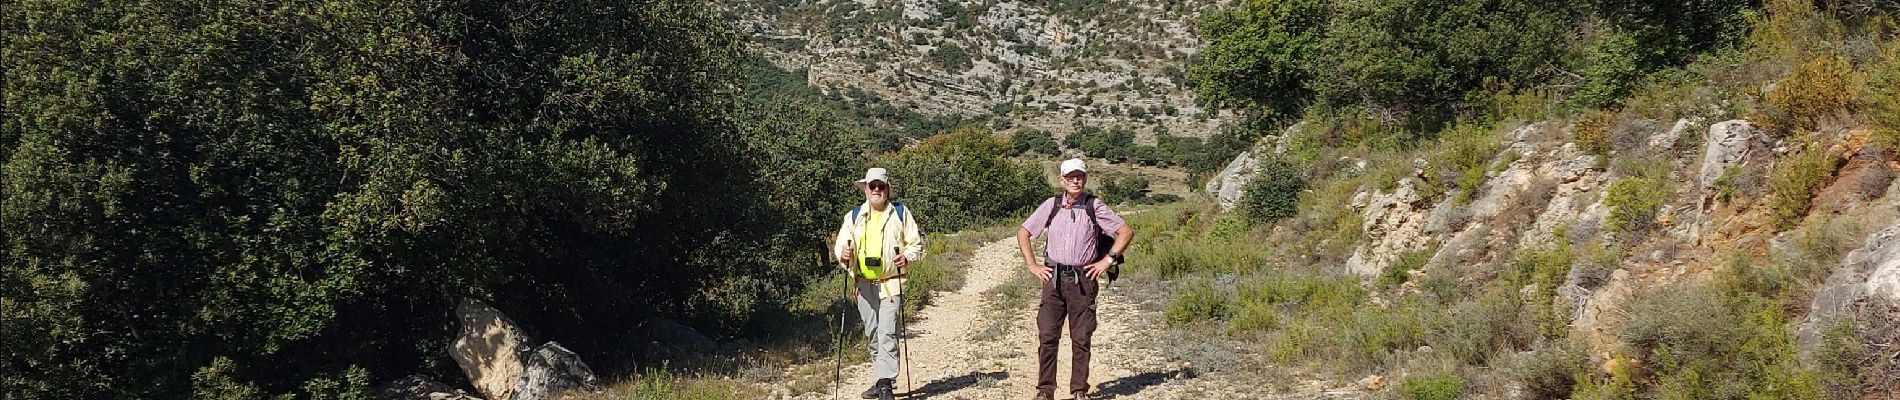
(873, 262)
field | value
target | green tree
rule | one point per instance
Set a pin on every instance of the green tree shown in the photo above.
(960, 179)
(1258, 56)
(239, 197)
(1028, 140)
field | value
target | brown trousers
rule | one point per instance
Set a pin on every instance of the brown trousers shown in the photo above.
(1072, 296)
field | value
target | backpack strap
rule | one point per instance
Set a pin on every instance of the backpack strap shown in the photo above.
(1088, 205)
(900, 212)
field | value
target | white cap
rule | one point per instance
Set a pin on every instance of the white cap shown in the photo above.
(874, 174)
(1073, 165)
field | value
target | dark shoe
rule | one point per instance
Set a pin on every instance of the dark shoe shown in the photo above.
(882, 385)
(1083, 396)
(884, 393)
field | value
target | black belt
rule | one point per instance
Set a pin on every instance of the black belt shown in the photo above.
(1070, 269)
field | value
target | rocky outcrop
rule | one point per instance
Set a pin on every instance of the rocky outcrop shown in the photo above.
(1730, 143)
(1865, 286)
(1225, 187)
(502, 364)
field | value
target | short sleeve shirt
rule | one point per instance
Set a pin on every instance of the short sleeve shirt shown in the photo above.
(1072, 239)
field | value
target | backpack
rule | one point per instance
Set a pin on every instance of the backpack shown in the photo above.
(899, 210)
(1104, 243)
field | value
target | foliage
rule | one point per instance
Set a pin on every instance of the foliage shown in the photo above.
(1120, 190)
(1115, 145)
(960, 179)
(1612, 66)
(1592, 132)
(1434, 386)
(1033, 140)
(1792, 182)
(1883, 104)
(1816, 89)
(951, 57)
(1273, 193)
(234, 199)
(1705, 342)
(1259, 55)
(1199, 301)
(1633, 203)
(1416, 59)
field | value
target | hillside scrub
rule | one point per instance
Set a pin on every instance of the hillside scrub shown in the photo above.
(1617, 73)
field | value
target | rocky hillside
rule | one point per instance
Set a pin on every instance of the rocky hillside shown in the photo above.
(1051, 65)
(1812, 219)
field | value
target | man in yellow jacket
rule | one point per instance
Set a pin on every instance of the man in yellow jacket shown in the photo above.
(876, 244)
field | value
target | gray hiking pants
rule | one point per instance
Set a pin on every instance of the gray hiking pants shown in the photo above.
(880, 325)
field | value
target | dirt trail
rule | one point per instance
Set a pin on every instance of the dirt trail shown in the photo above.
(959, 351)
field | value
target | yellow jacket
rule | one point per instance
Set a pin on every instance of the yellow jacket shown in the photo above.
(909, 238)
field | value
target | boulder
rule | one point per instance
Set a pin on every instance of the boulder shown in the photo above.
(552, 370)
(502, 364)
(668, 340)
(1224, 188)
(1729, 144)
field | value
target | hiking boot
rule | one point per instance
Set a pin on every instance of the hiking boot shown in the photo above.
(884, 391)
(881, 386)
(1083, 396)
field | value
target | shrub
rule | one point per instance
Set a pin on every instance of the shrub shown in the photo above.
(1883, 103)
(1593, 132)
(1792, 182)
(1704, 343)
(1816, 89)
(1475, 330)
(960, 179)
(951, 57)
(1550, 371)
(1118, 190)
(1633, 203)
(1434, 386)
(1199, 301)
(1273, 193)
(1542, 270)
(1028, 140)
(1613, 65)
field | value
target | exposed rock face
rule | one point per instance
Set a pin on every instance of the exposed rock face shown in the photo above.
(502, 365)
(1007, 51)
(1394, 223)
(1866, 282)
(1224, 188)
(1730, 143)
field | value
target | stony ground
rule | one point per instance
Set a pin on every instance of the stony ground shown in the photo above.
(964, 348)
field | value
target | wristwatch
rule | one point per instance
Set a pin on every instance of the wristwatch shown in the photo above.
(1116, 256)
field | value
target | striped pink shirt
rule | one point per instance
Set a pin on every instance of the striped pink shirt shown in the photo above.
(1071, 239)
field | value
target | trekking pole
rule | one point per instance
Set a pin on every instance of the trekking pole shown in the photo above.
(837, 369)
(903, 343)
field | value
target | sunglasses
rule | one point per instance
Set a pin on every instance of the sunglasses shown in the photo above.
(879, 186)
